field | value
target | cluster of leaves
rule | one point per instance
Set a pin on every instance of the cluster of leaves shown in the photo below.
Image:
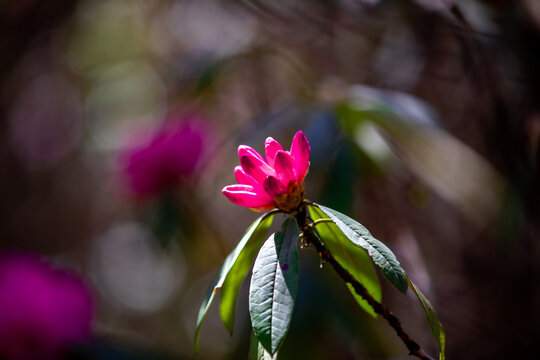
(274, 281)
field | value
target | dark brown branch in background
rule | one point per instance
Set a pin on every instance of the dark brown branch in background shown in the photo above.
(324, 253)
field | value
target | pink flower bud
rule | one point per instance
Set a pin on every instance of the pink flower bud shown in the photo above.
(277, 181)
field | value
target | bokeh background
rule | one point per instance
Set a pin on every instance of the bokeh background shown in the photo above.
(119, 123)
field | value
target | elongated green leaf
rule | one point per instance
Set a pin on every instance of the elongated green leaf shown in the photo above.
(353, 258)
(257, 351)
(238, 271)
(234, 266)
(381, 255)
(436, 327)
(262, 354)
(273, 286)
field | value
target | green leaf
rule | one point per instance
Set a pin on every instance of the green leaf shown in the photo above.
(262, 354)
(381, 255)
(353, 258)
(273, 286)
(436, 327)
(257, 351)
(238, 271)
(232, 272)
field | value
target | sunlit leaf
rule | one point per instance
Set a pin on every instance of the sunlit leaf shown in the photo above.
(353, 258)
(380, 253)
(234, 266)
(262, 354)
(434, 323)
(273, 286)
(238, 271)
(258, 352)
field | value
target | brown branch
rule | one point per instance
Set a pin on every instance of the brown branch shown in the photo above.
(324, 253)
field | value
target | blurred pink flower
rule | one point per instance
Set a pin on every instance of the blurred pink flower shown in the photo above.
(171, 154)
(274, 182)
(42, 310)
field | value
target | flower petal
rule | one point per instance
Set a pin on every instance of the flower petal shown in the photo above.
(273, 186)
(256, 168)
(240, 187)
(300, 152)
(244, 178)
(248, 150)
(245, 195)
(285, 165)
(271, 147)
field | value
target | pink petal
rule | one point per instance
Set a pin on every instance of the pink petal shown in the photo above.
(300, 152)
(284, 165)
(245, 195)
(256, 168)
(248, 150)
(273, 186)
(271, 147)
(244, 178)
(240, 187)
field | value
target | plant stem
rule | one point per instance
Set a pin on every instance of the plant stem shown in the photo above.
(311, 238)
(321, 221)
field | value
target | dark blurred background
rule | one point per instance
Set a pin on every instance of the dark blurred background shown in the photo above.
(423, 118)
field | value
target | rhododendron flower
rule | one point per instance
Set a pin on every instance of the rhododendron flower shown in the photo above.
(274, 181)
(42, 310)
(170, 155)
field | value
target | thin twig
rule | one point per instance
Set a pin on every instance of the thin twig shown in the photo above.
(319, 221)
(311, 238)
